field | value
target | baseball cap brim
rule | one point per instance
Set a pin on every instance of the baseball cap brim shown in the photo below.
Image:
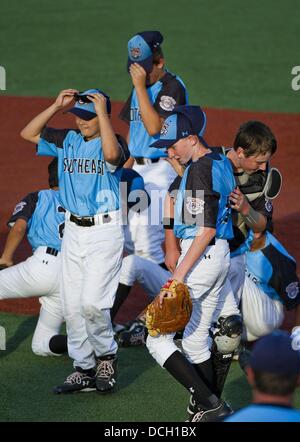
(147, 64)
(81, 113)
(160, 144)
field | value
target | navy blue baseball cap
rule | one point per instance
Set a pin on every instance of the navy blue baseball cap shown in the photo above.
(86, 110)
(141, 47)
(274, 354)
(184, 121)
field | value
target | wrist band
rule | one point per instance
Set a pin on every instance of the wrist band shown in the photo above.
(252, 218)
(168, 223)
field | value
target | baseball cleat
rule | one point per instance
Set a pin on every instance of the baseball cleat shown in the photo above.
(79, 381)
(135, 336)
(106, 373)
(212, 415)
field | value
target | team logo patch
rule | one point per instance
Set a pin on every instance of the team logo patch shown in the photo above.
(135, 53)
(167, 103)
(268, 205)
(194, 205)
(164, 129)
(292, 290)
(19, 207)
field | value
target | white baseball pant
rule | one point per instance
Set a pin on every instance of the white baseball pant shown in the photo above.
(37, 276)
(205, 281)
(144, 234)
(91, 263)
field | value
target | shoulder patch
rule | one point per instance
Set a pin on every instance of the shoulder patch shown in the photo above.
(268, 205)
(292, 290)
(167, 103)
(19, 207)
(194, 205)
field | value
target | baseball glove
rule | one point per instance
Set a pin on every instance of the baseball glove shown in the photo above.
(174, 312)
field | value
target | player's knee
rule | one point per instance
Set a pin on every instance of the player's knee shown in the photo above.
(227, 333)
(90, 311)
(161, 347)
(41, 347)
(128, 273)
(196, 348)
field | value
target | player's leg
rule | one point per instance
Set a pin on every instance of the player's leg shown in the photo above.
(226, 332)
(261, 314)
(149, 234)
(79, 347)
(104, 249)
(46, 340)
(34, 277)
(151, 277)
(236, 275)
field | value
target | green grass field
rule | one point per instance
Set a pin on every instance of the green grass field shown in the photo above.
(146, 393)
(232, 54)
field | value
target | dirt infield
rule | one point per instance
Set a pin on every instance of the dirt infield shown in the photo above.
(22, 172)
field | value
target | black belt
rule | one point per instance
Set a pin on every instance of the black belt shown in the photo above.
(52, 251)
(89, 221)
(213, 242)
(141, 160)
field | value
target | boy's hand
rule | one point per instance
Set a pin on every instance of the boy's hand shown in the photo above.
(138, 75)
(99, 101)
(65, 97)
(239, 202)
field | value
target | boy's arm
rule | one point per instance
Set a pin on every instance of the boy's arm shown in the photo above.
(151, 119)
(33, 130)
(111, 148)
(13, 240)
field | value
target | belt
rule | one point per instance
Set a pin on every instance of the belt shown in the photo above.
(52, 251)
(213, 242)
(142, 161)
(89, 221)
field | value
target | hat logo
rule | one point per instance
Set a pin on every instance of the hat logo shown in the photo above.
(81, 102)
(135, 53)
(167, 103)
(194, 205)
(292, 290)
(164, 129)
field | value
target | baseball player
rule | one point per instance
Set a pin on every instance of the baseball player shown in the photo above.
(155, 94)
(202, 221)
(89, 164)
(41, 216)
(271, 283)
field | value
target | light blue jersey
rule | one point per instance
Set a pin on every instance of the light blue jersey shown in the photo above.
(88, 184)
(211, 174)
(164, 95)
(265, 413)
(45, 218)
(273, 270)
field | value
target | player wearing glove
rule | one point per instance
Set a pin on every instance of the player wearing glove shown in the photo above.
(203, 225)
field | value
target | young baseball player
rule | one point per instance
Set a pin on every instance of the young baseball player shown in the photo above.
(155, 94)
(271, 283)
(203, 223)
(41, 216)
(89, 164)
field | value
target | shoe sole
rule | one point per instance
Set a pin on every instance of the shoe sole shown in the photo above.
(62, 391)
(111, 390)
